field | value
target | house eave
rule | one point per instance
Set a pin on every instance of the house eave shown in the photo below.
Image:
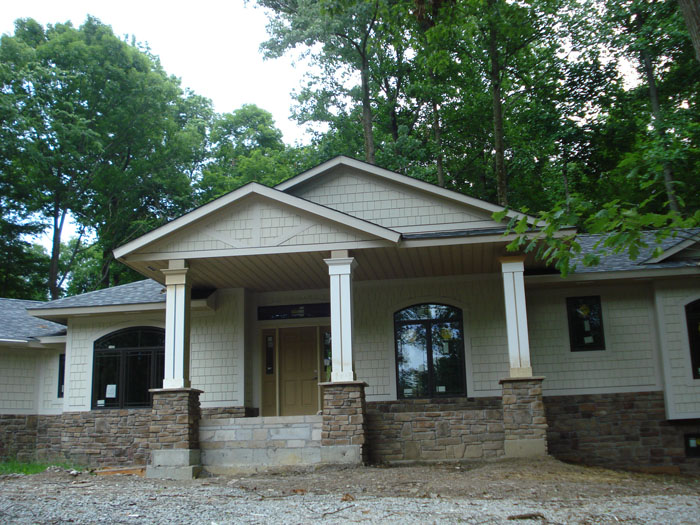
(61, 315)
(643, 274)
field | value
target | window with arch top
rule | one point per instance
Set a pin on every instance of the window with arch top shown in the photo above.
(429, 342)
(126, 364)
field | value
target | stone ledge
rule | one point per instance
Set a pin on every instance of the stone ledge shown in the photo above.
(519, 379)
(344, 383)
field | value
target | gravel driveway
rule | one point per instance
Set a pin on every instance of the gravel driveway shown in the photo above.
(506, 491)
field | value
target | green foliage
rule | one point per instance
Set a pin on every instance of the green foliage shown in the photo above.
(97, 131)
(245, 147)
(12, 466)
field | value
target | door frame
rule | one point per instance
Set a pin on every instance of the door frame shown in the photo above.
(273, 327)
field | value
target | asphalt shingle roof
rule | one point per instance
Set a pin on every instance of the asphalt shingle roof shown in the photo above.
(16, 323)
(140, 292)
(616, 262)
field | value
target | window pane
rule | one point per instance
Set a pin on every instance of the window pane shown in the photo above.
(412, 360)
(447, 359)
(107, 387)
(138, 373)
(428, 312)
(160, 369)
(585, 323)
(692, 312)
(125, 339)
(150, 338)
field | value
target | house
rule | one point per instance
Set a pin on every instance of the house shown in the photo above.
(352, 313)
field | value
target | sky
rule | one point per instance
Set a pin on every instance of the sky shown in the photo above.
(212, 46)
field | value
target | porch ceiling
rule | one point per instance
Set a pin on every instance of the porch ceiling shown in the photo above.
(298, 271)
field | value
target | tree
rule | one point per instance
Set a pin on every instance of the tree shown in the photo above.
(245, 146)
(691, 14)
(344, 30)
(99, 132)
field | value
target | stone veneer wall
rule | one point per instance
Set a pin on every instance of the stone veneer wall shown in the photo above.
(228, 412)
(18, 437)
(619, 430)
(344, 424)
(96, 438)
(175, 419)
(524, 417)
(435, 429)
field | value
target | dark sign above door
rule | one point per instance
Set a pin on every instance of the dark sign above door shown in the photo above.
(293, 311)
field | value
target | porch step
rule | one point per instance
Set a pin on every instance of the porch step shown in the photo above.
(250, 443)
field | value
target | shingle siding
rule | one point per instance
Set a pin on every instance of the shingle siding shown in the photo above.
(682, 391)
(630, 359)
(385, 203)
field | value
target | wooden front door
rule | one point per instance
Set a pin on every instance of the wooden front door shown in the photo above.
(298, 371)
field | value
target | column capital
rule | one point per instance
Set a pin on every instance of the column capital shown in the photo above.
(512, 263)
(175, 276)
(340, 265)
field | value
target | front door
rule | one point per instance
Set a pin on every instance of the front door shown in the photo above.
(298, 371)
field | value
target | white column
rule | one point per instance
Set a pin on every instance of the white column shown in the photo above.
(516, 316)
(340, 268)
(177, 326)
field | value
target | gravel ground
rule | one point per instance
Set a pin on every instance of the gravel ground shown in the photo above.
(507, 491)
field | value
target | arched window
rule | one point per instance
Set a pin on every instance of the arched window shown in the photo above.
(429, 351)
(692, 317)
(126, 365)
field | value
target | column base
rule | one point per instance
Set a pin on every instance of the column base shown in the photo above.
(343, 430)
(524, 419)
(174, 464)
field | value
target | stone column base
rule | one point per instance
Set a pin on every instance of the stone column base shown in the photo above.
(174, 434)
(524, 419)
(343, 430)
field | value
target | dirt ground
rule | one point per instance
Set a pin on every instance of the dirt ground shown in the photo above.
(494, 492)
(545, 479)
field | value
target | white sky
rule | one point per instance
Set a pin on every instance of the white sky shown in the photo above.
(212, 46)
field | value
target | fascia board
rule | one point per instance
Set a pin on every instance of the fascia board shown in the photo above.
(400, 179)
(615, 275)
(270, 193)
(51, 314)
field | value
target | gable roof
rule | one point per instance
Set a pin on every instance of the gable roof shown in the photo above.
(621, 262)
(253, 188)
(675, 245)
(309, 175)
(16, 325)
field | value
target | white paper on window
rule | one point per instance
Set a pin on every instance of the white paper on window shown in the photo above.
(111, 391)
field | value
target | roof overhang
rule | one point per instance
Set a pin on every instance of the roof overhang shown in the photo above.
(588, 277)
(61, 315)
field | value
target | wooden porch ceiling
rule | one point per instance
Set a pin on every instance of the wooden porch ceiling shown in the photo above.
(299, 271)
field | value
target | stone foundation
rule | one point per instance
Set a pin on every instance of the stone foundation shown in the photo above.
(96, 438)
(18, 437)
(249, 444)
(343, 432)
(524, 418)
(619, 430)
(435, 429)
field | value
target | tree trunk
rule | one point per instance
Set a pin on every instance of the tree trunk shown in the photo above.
(104, 272)
(438, 144)
(660, 128)
(498, 138)
(691, 13)
(367, 113)
(59, 218)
